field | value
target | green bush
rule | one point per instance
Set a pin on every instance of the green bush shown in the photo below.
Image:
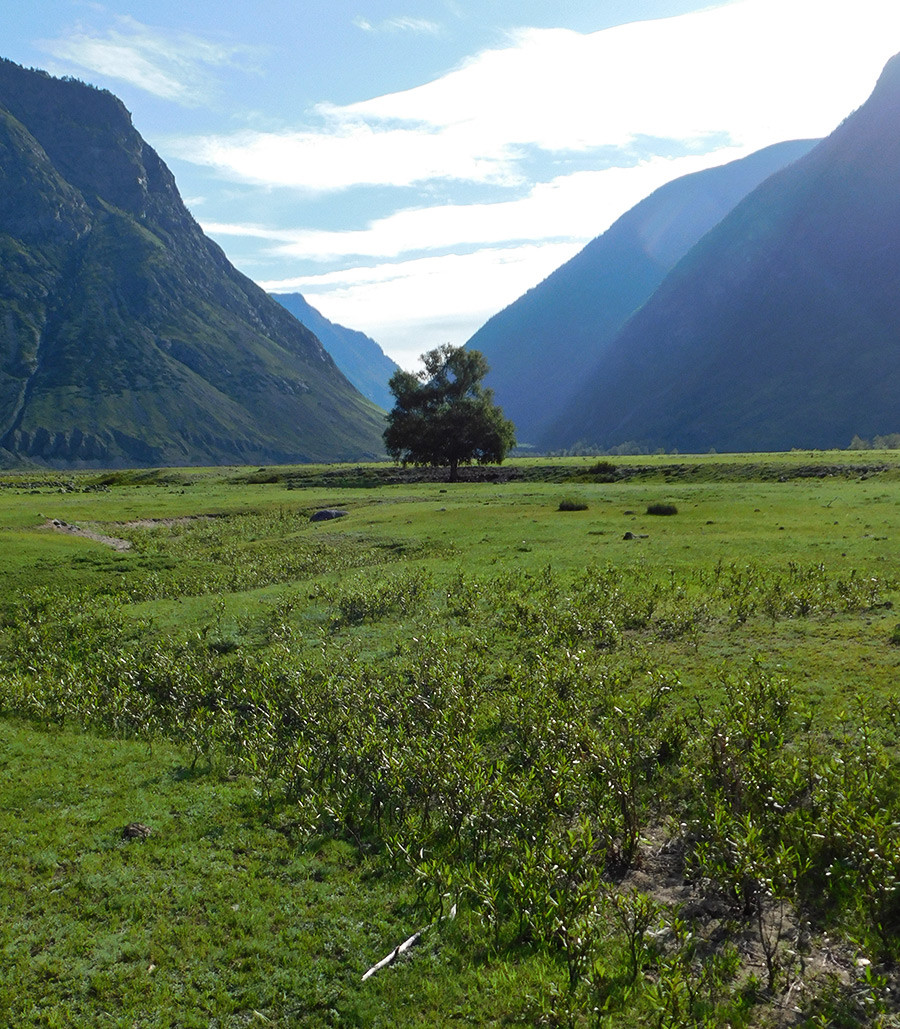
(571, 504)
(603, 471)
(662, 509)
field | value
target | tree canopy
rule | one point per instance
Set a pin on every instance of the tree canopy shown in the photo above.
(444, 416)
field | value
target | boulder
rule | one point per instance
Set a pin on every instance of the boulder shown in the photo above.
(326, 514)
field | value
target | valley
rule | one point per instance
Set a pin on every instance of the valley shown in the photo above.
(602, 736)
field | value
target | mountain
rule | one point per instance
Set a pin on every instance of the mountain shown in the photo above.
(357, 355)
(781, 328)
(126, 337)
(545, 343)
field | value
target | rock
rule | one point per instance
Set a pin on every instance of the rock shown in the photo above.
(326, 514)
(136, 831)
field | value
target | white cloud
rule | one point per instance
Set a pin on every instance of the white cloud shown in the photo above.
(412, 306)
(173, 66)
(419, 26)
(350, 154)
(784, 63)
(756, 71)
(572, 208)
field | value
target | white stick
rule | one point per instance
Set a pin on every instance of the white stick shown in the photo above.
(394, 954)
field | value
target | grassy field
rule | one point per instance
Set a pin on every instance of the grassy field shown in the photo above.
(622, 767)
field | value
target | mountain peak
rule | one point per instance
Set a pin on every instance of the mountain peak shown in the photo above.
(128, 337)
(543, 346)
(889, 80)
(87, 133)
(780, 328)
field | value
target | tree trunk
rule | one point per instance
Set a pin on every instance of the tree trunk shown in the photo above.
(454, 471)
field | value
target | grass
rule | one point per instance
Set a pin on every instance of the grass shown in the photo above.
(334, 729)
(220, 917)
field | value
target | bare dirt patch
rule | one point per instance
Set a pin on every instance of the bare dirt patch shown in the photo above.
(57, 525)
(808, 963)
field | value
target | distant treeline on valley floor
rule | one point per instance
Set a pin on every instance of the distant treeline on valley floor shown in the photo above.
(631, 448)
(889, 442)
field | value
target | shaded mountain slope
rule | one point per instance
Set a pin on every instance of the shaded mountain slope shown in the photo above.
(541, 347)
(782, 327)
(126, 336)
(357, 355)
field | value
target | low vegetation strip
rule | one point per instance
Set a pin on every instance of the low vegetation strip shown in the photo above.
(705, 468)
(375, 475)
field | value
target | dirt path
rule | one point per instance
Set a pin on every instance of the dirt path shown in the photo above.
(73, 530)
(58, 525)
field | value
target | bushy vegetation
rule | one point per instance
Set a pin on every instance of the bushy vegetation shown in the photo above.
(889, 442)
(444, 415)
(581, 777)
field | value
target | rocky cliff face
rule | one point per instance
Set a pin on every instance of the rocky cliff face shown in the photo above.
(126, 336)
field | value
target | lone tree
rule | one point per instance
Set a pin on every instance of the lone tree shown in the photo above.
(443, 415)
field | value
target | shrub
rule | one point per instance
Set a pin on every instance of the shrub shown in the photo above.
(662, 509)
(603, 471)
(570, 504)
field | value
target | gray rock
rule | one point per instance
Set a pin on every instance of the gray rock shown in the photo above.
(326, 514)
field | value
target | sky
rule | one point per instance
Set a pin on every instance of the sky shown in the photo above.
(413, 166)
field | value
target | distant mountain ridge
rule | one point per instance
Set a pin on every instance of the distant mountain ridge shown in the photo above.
(781, 328)
(357, 355)
(126, 336)
(542, 346)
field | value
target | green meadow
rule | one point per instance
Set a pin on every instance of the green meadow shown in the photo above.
(617, 737)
